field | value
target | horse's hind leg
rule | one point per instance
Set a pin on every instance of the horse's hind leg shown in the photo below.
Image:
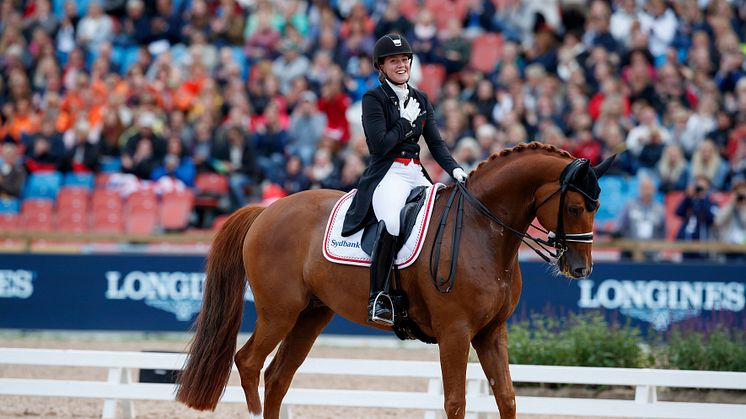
(272, 325)
(290, 356)
(491, 345)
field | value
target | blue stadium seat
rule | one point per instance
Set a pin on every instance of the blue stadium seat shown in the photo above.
(111, 165)
(83, 180)
(240, 58)
(128, 58)
(614, 195)
(58, 7)
(10, 206)
(43, 185)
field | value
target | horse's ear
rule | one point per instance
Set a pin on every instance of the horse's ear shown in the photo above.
(602, 167)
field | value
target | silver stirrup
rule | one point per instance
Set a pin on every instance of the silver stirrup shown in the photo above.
(381, 320)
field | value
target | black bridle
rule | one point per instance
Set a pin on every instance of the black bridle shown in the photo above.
(555, 240)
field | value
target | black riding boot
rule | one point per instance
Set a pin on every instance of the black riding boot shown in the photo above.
(380, 308)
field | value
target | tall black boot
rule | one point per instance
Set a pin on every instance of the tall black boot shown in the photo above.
(380, 307)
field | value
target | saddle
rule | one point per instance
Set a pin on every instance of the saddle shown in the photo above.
(407, 219)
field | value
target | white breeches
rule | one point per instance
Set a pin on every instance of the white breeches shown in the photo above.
(392, 192)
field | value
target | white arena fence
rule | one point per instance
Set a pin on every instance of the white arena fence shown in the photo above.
(121, 387)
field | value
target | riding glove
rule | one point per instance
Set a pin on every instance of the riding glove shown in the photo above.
(459, 174)
(411, 111)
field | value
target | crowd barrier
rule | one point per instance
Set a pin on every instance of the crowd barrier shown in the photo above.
(120, 385)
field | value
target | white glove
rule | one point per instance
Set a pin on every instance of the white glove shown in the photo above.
(411, 111)
(459, 174)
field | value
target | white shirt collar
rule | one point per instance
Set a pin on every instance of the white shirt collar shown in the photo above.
(401, 92)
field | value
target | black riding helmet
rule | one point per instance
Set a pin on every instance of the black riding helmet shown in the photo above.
(391, 44)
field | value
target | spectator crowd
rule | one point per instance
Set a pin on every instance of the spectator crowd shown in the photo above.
(268, 92)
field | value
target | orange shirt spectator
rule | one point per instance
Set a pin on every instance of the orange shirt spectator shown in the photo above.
(23, 121)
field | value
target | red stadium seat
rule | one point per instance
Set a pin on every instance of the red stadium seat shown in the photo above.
(9, 222)
(443, 10)
(72, 198)
(210, 188)
(142, 212)
(486, 50)
(219, 221)
(433, 76)
(72, 221)
(105, 199)
(110, 222)
(409, 9)
(106, 212)
(36, 215)
(102, 179)
(176, 208)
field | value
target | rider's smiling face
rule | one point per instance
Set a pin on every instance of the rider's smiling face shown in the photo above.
(396, 67)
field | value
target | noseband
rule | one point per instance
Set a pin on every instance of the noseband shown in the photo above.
(558, 241)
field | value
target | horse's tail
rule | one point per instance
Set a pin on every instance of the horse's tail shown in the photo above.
(208, 367)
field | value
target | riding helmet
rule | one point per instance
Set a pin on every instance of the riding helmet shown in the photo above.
(391, 44)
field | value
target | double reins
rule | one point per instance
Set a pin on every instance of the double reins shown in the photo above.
(558, 241)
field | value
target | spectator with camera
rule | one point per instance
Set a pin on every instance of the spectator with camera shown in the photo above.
(697, 213)
(731, 219)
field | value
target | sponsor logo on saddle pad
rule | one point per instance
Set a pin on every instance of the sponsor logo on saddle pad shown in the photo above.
(344, 243)
(16, 283)
(662, 303)
(348, 251)
(179, 293)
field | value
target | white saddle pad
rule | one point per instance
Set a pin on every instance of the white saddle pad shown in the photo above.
(348, 251)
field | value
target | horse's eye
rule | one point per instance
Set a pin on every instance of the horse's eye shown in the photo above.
(575, 210)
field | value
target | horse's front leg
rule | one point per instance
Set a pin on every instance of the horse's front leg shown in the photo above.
(454, 354)
(491, 345)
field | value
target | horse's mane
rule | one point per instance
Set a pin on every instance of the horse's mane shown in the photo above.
(532, 146)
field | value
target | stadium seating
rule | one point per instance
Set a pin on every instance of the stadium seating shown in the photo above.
(409, 9)
(443, 10)
(615, 192)
(106, 212)
(142, 212)
(9, 221)
(176, 208)
(43, 185)
(219, 221)
(72, 209)
(82, 180)
(36, 215)
(433, 76)
(10, 206)
(486, 50)
(210, 188)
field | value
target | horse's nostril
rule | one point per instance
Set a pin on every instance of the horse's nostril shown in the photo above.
(581, 272)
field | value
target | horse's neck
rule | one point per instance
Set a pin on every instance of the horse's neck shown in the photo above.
(509, 190)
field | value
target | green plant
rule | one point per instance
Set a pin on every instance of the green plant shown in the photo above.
(717, 350)
(585, 340)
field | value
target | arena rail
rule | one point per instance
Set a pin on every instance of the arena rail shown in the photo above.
(121, 387)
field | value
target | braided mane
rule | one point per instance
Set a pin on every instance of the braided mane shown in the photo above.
(532, 146)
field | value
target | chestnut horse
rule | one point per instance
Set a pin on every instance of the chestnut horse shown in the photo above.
(297, 291)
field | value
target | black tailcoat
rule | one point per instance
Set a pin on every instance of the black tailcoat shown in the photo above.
(389, 136)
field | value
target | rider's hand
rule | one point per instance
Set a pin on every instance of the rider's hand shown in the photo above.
(411, 111)
(459, 174)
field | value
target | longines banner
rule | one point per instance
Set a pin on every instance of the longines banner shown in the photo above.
(164, 293)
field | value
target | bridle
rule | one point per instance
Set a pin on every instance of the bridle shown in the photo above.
(551, 249)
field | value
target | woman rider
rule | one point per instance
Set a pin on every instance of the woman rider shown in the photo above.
(395, 115)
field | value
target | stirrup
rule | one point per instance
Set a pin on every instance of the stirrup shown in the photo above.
(382, 320)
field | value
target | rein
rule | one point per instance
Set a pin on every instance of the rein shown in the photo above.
(541, 247)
